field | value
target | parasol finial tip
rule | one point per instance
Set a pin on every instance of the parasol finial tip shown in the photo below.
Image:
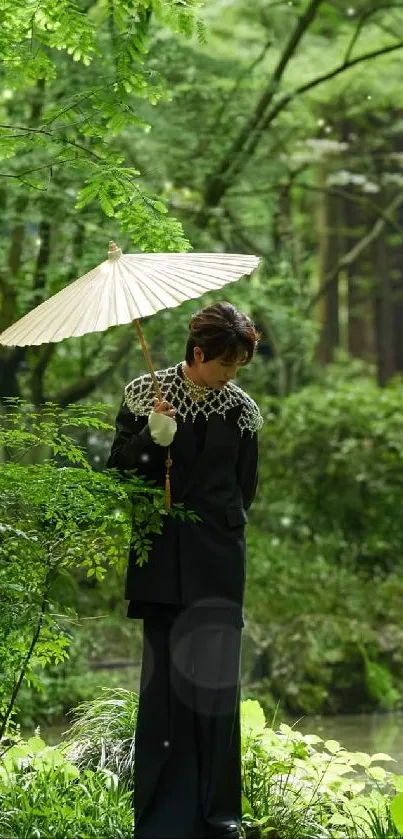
(114, 252)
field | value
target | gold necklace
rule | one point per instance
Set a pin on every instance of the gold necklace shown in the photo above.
(196, 391)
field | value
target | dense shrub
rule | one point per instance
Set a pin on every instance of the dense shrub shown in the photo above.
(325, 547)
(332, 462)
(42, 794)
(326, 638)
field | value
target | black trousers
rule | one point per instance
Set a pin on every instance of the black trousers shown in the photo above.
(188, 740)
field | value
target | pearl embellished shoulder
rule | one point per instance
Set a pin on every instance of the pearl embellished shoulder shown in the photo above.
(139, 395)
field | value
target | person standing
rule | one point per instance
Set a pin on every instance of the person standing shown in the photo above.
(189, 594)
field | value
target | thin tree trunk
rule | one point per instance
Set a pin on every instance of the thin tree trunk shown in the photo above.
(396, 269)
(360, 308)
(37, 631)
(11, 360)
(329, 254)
(384, 321)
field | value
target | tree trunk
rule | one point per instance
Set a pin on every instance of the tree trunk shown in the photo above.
(11, 360)
(328, 256)
(360, 305)
(396, 271)
(384, 316)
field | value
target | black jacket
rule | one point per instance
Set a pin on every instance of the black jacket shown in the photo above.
(190, 561)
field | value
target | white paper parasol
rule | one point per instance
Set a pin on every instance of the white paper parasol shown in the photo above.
(124, 288)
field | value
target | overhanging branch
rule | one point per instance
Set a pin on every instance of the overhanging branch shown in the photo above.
(363, 19)
(266, 112)
(87, 384)
(299, 91)
(354, 198)
(355, 252)
(215, 184)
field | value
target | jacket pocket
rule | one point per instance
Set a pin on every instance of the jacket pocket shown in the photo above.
(236, 516)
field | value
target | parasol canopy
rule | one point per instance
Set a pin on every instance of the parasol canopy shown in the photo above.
(124, 288)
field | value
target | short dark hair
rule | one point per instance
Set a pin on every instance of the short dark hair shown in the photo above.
(221, 330)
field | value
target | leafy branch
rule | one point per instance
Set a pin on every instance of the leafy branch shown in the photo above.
(266, 111)
(38, 34)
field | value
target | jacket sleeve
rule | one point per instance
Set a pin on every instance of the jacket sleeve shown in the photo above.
(132, 440)
(247, 467)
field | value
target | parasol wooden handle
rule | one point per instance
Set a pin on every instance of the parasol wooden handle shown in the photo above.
(147, 357)
(168, 462)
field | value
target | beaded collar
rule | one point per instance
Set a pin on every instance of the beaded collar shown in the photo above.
(140, 393)
(196, 391)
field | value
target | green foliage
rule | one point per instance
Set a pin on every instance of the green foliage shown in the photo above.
(43, 794)
(94, 620)
(39, 48)
(299, 785)
(280, 308)
(379, 682)
(397, 808)
(294, 786)
(102, 735)
(48, 696)
(324, 549)
(24, 428)
(337, 464)
(138, 212)
(326, 636)
(57, 518)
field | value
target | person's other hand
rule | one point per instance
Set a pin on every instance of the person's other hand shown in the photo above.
(161, 422)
